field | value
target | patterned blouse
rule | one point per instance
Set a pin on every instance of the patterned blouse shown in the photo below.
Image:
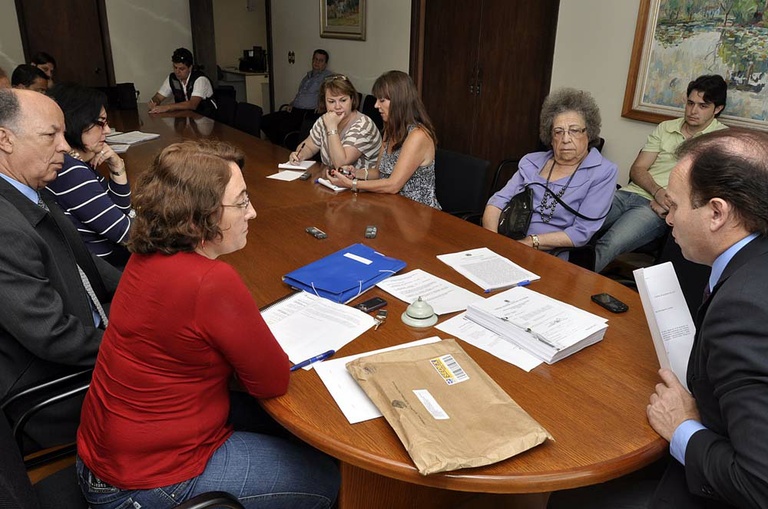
(421, 186)
(360, 133)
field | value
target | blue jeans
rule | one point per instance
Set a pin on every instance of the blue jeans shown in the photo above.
(631, 223)
(262, 471)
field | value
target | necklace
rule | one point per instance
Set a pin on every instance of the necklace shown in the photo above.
(74, 153)
(548, 201)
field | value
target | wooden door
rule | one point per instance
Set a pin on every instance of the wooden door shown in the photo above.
(74, 32)
(451, 37)
(517, 43)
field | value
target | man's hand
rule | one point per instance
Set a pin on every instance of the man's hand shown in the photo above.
(670, 405)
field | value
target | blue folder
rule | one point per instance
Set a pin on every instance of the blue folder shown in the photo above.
(345, 274)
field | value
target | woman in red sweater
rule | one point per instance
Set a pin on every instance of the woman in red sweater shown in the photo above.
(154, 429)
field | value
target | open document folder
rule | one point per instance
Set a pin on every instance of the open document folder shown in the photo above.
(345, 274)
(545, 327)
(669, 320)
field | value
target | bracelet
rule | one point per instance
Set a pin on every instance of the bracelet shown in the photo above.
(366, 173)
(535, 241)
(354, 185)
(332, 132)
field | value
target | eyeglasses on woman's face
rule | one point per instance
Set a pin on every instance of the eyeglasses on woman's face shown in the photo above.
(573, 132)
(243, 205)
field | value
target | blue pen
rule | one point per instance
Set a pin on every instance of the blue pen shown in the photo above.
(524, 282)
(312, 360)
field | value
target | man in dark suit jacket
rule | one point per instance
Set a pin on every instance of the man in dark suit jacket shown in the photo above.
(719, 432)
(49, 325)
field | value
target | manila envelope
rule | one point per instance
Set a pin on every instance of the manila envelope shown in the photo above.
(446, 410)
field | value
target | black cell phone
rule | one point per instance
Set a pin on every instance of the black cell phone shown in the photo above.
(372, 304)
(610, 303)
(316, 232)
(370, 232)
(305, 175)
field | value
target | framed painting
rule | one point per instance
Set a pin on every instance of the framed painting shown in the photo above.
(342, 19)
(679, 40)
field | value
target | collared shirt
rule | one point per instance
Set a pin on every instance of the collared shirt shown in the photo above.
(687, 428)
(664, 141)
(309, 90)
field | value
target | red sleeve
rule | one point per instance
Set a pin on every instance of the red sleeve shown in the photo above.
(228, 317)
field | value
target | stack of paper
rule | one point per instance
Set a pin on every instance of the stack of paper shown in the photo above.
(300, 166)
(545, 327)
(131, 137)
(487, 269)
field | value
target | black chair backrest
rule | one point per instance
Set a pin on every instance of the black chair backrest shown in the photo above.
(225, 98)
(460, 182)
(122, 96)
(248, 118)
(15, 488)
(369, 109)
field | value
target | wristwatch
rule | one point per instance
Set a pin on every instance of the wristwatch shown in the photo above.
(535, 241)
(354, 185)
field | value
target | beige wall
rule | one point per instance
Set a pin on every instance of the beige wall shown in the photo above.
(592, 52)
(386, 46)
(11, 51)
(237, 29)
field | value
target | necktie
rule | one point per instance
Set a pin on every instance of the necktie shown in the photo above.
(86, 283)
(707, 293)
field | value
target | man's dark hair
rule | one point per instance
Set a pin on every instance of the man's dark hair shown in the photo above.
(9, 109)
(713, 87)
(81, 106)
(731, 164)
(26, 74)
(42, 58)
(182, 56)
(322, 52)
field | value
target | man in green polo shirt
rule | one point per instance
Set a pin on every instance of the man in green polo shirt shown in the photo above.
(639, 208)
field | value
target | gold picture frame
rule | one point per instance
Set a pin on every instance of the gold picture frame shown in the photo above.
(342, 19)
(673, 46)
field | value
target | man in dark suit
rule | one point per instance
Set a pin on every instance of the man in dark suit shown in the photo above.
(49, 322)
(719, 432)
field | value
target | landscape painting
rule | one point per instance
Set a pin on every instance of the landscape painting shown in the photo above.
(342, 19)
(678, 40)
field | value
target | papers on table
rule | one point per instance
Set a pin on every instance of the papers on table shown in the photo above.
(327, 183)
(350, 398)
(669, 319)
(131, 137)
(476, 335)
(545, 327)
(345, 274)
(306, 325)
(487, 269)
(443, 296)
(300, 166)
(119, 148)
(285, 175)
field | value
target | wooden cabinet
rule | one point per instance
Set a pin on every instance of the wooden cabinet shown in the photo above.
(485, 71)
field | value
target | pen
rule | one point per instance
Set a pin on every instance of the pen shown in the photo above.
(312, 360)
(524, 282)
(301, 147)
(536, 335)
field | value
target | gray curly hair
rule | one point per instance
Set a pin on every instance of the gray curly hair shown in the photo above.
(570, 99)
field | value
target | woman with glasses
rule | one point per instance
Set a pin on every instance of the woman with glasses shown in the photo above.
(343, 135)
(100, 208)
(573, 170)
(407, 163)
(159, 424)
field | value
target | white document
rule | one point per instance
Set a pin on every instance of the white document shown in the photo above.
(119, 148)
(443, 296)
(543, 326)
(476, 335)
(306, 325)
(285, 175)
(327, 183)
(352, 400)
(300, 166)
(487, 269)
(131, 137)
(669, 319)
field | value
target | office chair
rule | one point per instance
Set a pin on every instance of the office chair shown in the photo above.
(248, 118)
(460, 183)
(370, 110)
(61, 488)
(225, 98)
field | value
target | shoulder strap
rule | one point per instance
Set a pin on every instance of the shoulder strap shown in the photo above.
(568, 207)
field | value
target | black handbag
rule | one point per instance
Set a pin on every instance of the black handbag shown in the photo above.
(516, 216)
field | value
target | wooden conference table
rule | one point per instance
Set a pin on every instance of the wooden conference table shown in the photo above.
(593, 403)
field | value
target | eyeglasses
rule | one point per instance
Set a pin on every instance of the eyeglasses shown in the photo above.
(335, 77)
(243, 205)
(101, 123)
(573, 132)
